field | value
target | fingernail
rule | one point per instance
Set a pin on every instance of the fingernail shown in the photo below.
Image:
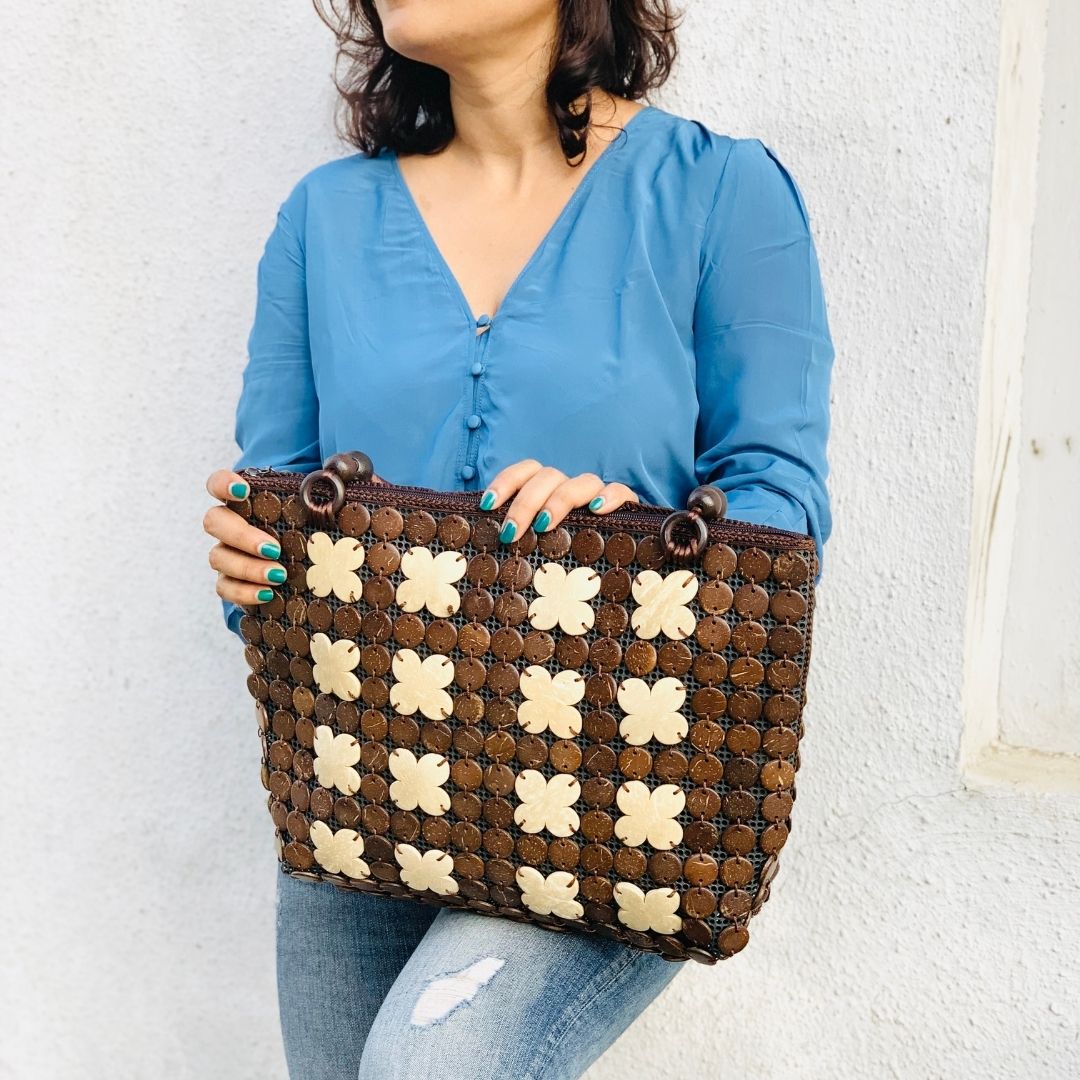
(506, 533)
(488, 501)
(543, 520)
(277, 575)
(270, 550)
(596, 503)
(265, 594)
(239, 490)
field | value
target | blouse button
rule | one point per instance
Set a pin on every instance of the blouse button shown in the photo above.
(477, 368)
(473, 421)
(468, 472)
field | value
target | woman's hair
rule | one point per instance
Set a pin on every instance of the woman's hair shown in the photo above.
(624, 47)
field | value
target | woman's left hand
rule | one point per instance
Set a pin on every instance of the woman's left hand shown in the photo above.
(542, 496)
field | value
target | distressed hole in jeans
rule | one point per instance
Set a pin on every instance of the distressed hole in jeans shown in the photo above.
(449, 992)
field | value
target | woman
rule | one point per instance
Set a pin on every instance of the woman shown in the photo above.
(528, 282)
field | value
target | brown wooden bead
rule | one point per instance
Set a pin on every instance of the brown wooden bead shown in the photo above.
(700, 836)
(532, 751)
(467, 774)
(598, 760)
(600, 726)
(719, 561)
(777, 775)
(635, 762)
(739, 804)
(620, 548)
(715, 597)
(736, 871)
(630, 863)
(773, 837)
(572, 652)
(640, 657)
(787, 606)
(466, 806)
(698, 903)
(738, 839)
(702, 802)
(595, 858)
(598, 826)
(477, 604)
(740, 772)
(674, 658)
(354, 519)
(783, 675)
(499, 812)
(732, 939)
(611, 619)
(531, 849)
(598, 791)
(777, 806)
(563, 853)
(664, 867)
(701, 870)
(554, 543)
(436, 737)
(565, 755)
(474, 639)
(670, 765)
(498, 843)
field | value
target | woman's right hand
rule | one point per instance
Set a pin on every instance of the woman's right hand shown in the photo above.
(244, 556)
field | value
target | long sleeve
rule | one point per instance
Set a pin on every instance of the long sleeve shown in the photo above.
(277, 415)
(763, 351)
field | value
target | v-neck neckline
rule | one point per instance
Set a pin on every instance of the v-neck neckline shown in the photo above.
(486, 318)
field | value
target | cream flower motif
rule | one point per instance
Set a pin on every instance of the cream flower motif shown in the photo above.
(551, 895)
(333, 565)
(550, 701)
(334, 663)
(419, 783)
(339, 852)
(649, 815)
(420, 684)
(429, 580)
(547, 804)
(652, 712)
(663, 603)
(335, 756)
(564, 597)
(431, 870)
(652, 910)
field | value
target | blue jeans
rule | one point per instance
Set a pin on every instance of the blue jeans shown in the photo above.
(375, 987)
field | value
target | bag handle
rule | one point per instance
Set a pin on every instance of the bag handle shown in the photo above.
(684, 532)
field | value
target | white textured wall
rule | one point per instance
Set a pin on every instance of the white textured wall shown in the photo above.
(917, 928)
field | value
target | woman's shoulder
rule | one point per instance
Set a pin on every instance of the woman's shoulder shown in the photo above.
(721, 164)
(327, 183)
(709, 154)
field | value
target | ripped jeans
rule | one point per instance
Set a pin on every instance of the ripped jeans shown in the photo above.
(374, 988)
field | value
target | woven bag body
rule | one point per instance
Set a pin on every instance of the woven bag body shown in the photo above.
(575, 729)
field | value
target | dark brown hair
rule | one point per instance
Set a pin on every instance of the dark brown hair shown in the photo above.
(623, 47)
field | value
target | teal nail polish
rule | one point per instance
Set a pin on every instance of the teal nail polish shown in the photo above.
(543, 520)
(265, 594)
(488, 501)
(506, 533)
(239, 490)
(596, 503)
(277, 575)
(270, 550)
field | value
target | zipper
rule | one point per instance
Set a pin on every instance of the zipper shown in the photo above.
(644, 517)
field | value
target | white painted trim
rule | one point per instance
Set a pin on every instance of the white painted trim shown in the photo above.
(984, 760)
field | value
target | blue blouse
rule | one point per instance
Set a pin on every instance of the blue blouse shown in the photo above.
(670, 330)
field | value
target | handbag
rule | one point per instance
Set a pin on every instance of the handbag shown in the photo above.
(594, 729)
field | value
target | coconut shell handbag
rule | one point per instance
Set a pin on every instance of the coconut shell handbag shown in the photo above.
(594, 729)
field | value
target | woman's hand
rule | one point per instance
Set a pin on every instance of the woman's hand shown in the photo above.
(542, 496)
(244, 556)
